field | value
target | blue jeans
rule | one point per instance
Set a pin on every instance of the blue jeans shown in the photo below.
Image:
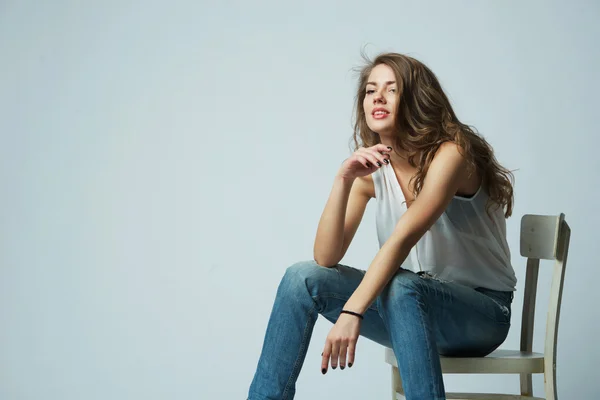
(417, 315)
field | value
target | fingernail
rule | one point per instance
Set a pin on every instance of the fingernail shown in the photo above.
(334, 367)
(342, 367)
(321, 354)
(350, 365)
(378, 163)
(385, 160)
(323, 371)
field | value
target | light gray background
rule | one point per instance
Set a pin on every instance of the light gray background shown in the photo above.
(162, 163)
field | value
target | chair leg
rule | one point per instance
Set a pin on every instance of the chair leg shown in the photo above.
(526, 385)
(550, 384)
(397, 388)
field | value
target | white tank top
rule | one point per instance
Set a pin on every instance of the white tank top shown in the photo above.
(464, 245)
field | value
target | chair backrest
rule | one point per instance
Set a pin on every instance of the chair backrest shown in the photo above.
(543, 237)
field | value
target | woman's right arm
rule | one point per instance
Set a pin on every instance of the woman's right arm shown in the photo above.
(340, 219)
(352, 189)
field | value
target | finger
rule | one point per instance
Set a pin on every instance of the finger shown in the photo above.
(372, 157)
(325, 358)
(364, 162)
(383, 157)
(351, 352)
(382, 148)
(343, 350)
(335, 353)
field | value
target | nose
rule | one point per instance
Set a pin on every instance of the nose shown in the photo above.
(378, 97)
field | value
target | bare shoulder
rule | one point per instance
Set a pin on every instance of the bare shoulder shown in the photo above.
(450, 149)
(365, 186)
(450, 152)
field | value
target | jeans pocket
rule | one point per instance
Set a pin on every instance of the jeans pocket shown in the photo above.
(502, 302)
(505, 310)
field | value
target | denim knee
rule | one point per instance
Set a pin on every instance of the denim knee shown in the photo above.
(304, 275)
(404, 285)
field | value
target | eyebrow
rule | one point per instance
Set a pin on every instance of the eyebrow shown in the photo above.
(375, 84)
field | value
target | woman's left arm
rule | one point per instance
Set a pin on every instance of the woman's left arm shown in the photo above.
(448, 170)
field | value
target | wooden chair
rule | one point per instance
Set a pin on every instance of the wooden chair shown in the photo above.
(542, 237)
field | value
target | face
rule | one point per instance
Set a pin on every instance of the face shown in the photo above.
(381, 100)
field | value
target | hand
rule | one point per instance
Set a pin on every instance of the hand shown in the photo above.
(365, 161)
(341, 342)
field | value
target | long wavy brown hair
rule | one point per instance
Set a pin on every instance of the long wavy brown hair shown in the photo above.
(425, 119)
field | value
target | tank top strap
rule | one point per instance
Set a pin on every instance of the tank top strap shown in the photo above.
(377, 183)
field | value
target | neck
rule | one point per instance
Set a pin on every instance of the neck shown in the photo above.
(398, 157)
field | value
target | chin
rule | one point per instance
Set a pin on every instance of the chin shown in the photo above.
(381, 127)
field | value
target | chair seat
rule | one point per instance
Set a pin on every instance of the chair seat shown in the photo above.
(488, 396)
(497, 362)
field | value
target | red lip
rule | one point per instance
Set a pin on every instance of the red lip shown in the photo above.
(379, 109)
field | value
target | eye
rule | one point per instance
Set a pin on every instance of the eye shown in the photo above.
(393, 90)
(370, 91)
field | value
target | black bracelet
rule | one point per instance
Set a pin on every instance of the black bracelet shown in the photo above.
(351, 313)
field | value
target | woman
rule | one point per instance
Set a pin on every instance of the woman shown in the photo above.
(442, 281)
